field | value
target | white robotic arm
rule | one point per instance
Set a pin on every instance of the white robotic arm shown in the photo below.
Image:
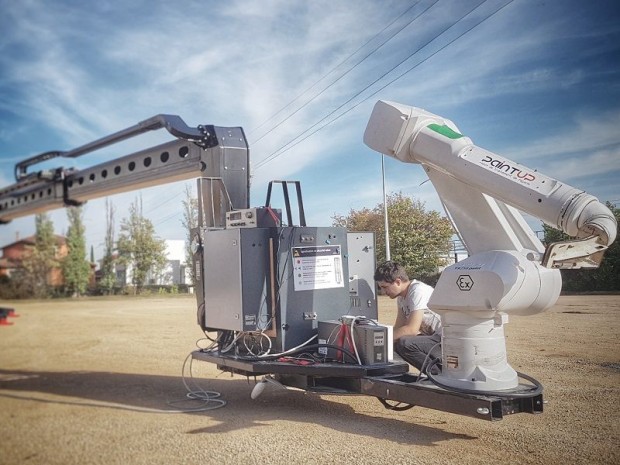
(413, 135)
(508, 271)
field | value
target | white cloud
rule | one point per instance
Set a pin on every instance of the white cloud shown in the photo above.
(83, 72)
(587, 134)
(594, 164)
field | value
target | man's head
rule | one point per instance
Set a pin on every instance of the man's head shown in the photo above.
(392, 279)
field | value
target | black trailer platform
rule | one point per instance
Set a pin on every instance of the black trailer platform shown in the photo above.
(387, 382)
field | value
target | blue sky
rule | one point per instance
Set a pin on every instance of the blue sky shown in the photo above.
(535, 81)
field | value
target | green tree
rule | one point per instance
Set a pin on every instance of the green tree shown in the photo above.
(75, 267)
(604, 278)
(419, 239)
(552, 235)
(139, 248)
(190, 221)
(38, 264)
(108, 273)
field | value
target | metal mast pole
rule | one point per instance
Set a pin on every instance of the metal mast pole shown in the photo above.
(385, 212)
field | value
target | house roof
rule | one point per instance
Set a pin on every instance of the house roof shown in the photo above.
(31, 240)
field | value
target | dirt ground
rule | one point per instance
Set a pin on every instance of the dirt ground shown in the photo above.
(88, 381)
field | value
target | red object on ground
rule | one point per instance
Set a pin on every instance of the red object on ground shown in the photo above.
(4, 321)
(8, 311)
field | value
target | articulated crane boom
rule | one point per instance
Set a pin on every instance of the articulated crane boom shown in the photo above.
(219, 155)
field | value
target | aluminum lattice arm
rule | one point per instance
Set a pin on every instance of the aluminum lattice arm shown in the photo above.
(203, 136)
(203, 151)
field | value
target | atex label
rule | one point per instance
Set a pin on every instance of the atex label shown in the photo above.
(464, 282)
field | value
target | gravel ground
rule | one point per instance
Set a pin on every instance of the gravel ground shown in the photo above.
(88, 381)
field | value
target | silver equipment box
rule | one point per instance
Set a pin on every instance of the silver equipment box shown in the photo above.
(260, 217)
(236, 279)
(284, 280)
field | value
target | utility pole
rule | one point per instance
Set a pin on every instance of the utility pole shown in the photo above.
(385, 212)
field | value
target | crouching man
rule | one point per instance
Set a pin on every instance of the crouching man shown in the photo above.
(417, 330)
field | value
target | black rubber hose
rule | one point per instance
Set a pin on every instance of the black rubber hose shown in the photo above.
(536, 389)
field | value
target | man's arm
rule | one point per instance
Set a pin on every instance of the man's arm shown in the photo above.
(408, 326)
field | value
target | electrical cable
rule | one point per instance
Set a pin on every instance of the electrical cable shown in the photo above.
(293, 142)
(331, 339)
(422, 368)
(158, 206)
(416, 51)
(286, 352)
(343, 340)
(207, 334)
(280, 276)
(284, 148)
(346, 72)
(352, 334)
(225, 337)
(535, 390)
(167, 218)
(232, 343)
(262, 336)
(211, 346)
(264, 317)
(333, 69)
(350, 354)
(210, 399)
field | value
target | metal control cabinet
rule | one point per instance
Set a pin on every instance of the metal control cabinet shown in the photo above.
(313, 281)
(362, 264)
(236, 279)
(286, 280)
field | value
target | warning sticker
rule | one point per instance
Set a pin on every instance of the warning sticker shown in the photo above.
(322, 350)
(317, 267)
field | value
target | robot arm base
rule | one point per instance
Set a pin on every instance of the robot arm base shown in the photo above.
(496, 281)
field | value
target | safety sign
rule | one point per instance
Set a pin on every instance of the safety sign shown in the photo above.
(317, 267)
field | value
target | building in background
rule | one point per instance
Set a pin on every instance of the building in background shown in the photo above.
(14, 254)
(175, 271)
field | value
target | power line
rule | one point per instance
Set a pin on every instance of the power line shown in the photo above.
(156, 207)
(293, 142)
(167, 218)
(332, 70)
(344, 74)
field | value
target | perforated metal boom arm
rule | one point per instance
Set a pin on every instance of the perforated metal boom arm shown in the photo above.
(202, 151)
(201, 135)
